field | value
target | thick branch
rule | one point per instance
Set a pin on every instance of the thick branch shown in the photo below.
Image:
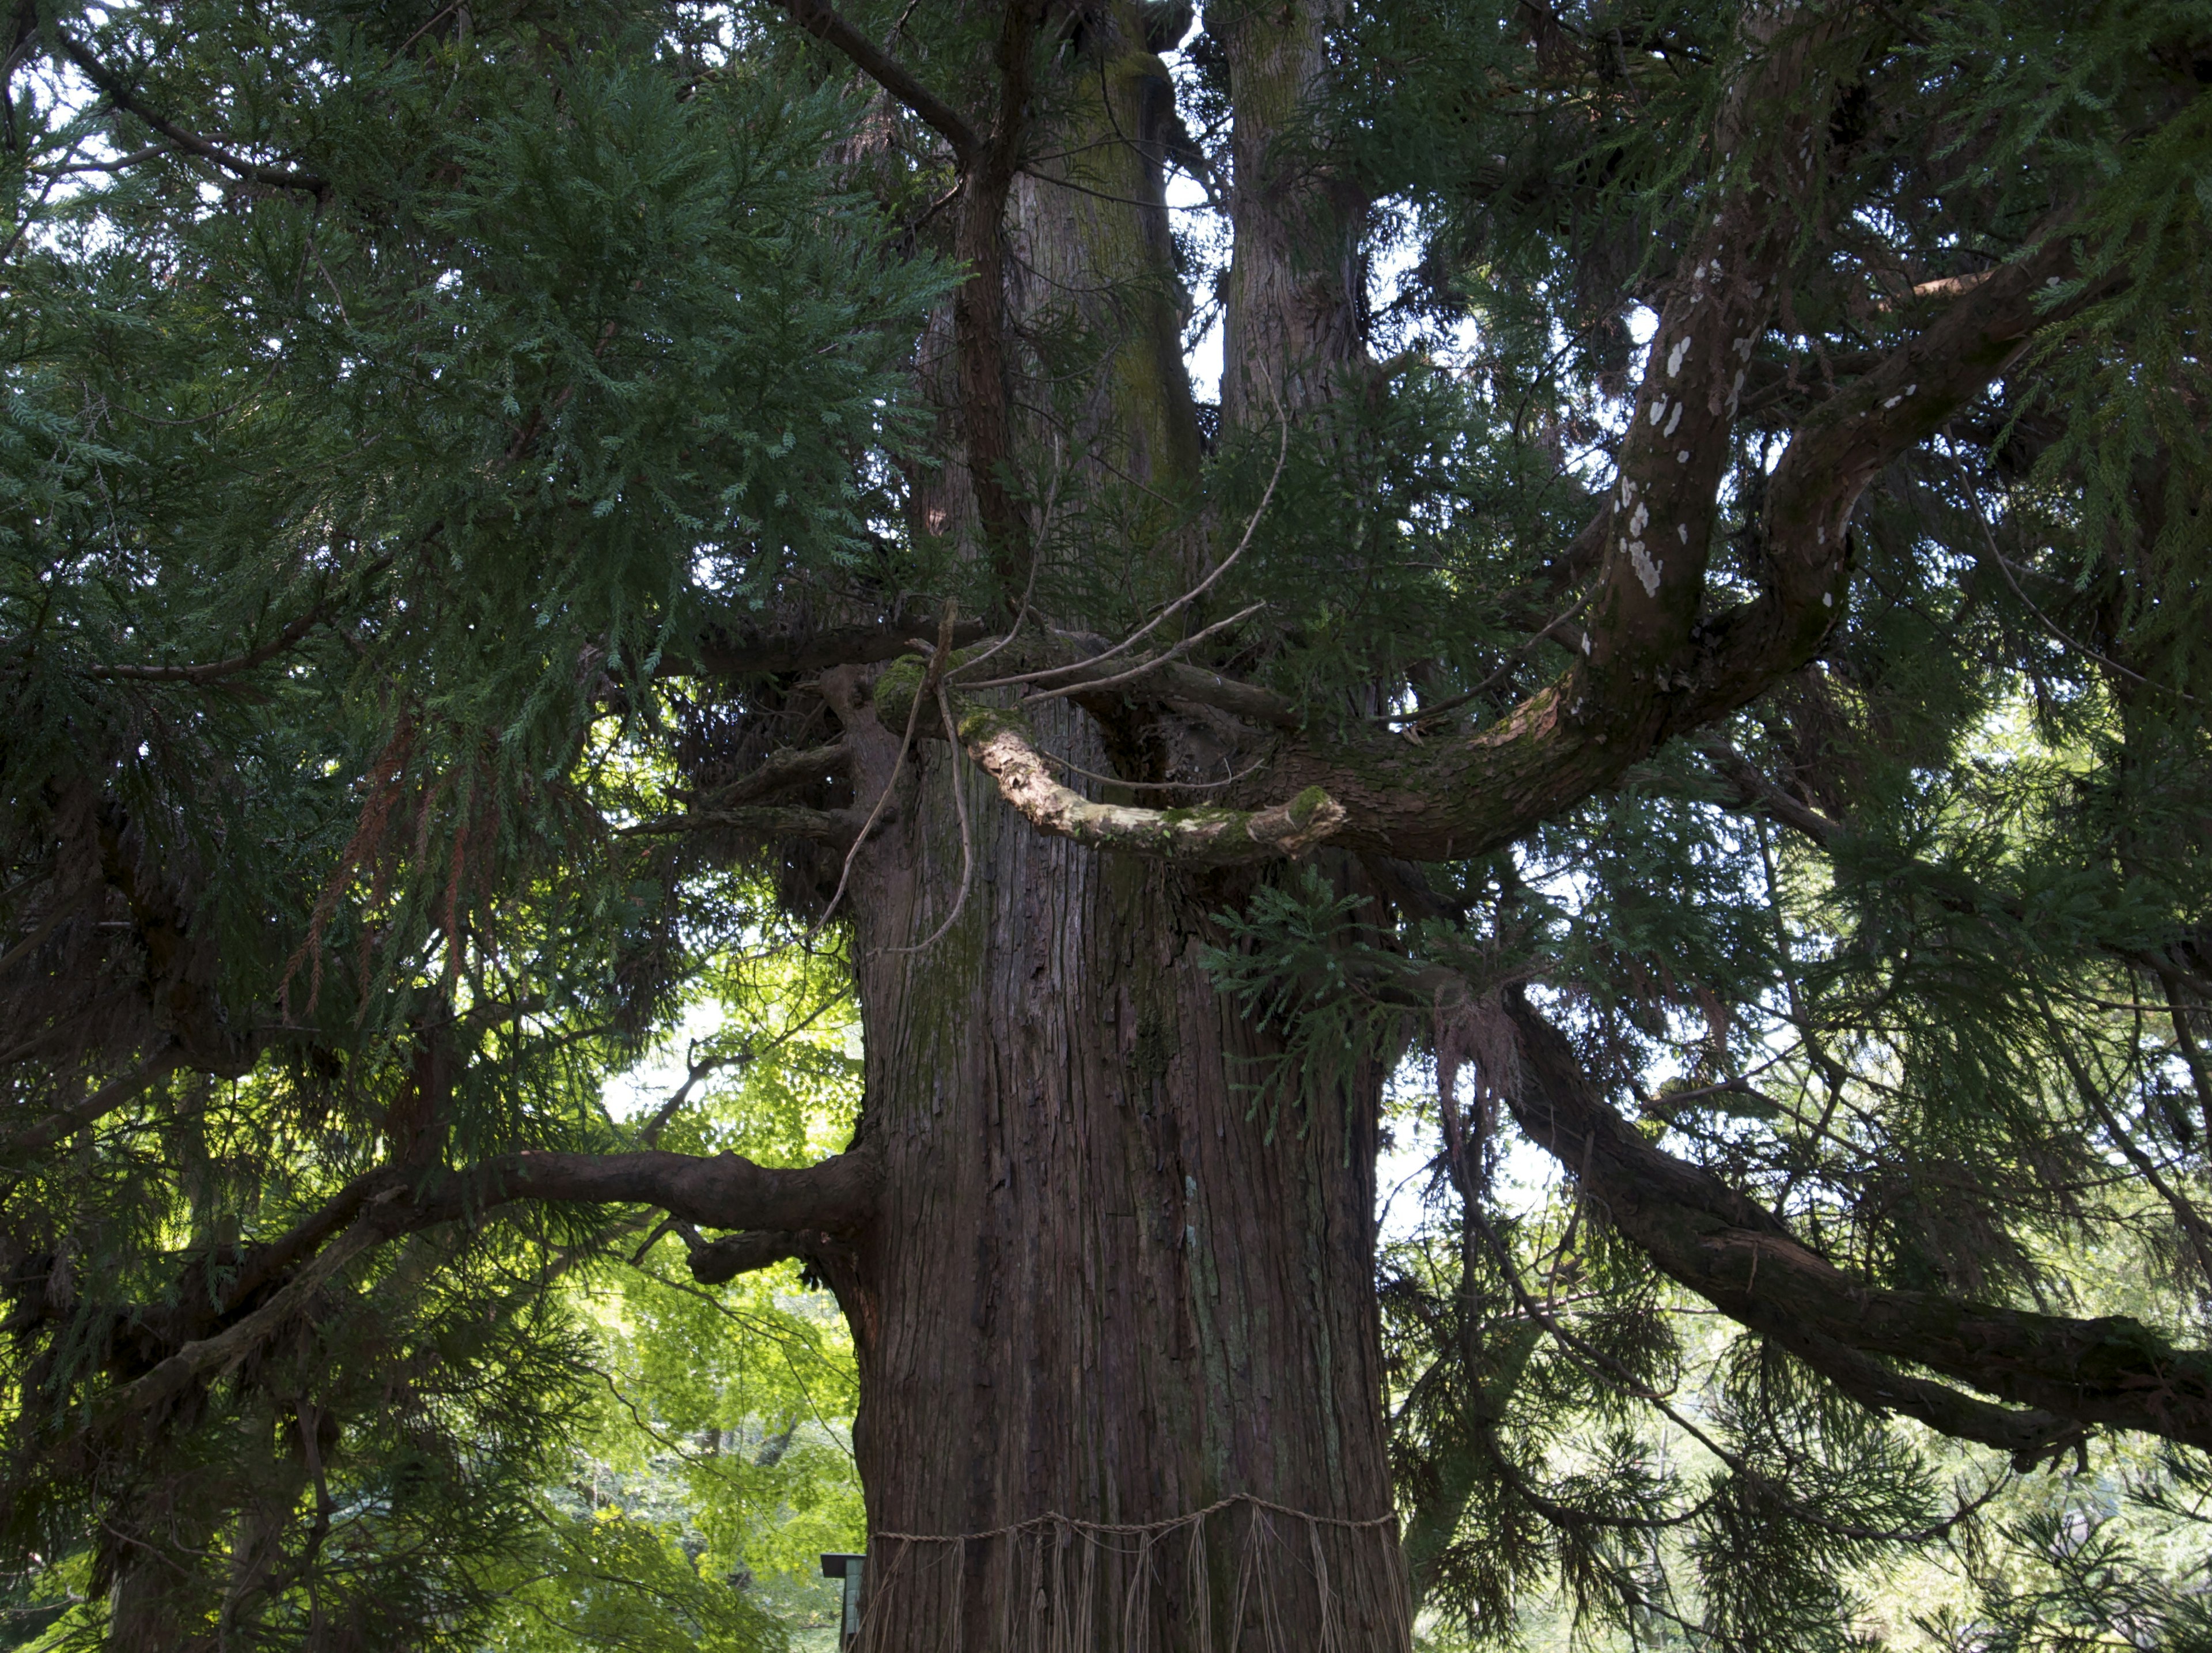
(741, 1254)
(725, 1191)
(235, 1340)
(1656, 669)
(119, 92)
(1003, 750)
(215, 670)
(811, 648)
(1179, 680)
(836, 1196)
(836, 826)
(1740, 1258)
(1846, 444)
(823, 22)
(780, 770)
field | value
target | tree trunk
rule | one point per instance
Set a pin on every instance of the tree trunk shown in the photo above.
(1119, 1356)
(1119, 1353)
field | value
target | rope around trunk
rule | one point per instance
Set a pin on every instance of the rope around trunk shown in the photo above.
(1291, 1581)
(1054, 1519)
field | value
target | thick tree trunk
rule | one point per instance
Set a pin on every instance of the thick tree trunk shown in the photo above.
(1119, 1357)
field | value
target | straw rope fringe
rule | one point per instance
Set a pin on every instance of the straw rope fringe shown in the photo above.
(1066, 1585)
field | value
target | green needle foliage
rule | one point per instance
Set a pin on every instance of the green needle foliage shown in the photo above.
(416, 419)
(568, 337)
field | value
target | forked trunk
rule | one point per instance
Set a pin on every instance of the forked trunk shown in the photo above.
(1118, 1349)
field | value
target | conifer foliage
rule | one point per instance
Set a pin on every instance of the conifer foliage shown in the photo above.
(1682, 639)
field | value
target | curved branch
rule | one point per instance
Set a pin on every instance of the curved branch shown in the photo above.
(215, 670)
(119, 92)
(1744, 1261)
(1653, 668)
(1002, 748)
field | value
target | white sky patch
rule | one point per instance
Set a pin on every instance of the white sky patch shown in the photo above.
(1526, 1176)
(634, 1093)
(1203, 358)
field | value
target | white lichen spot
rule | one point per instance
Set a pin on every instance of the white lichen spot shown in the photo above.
(1892, 402)
(1682, 532)
(1586, 642)
(1642, 516)
(1827, 599)
(1683, 457)
(1675, 420)
(1658, 409)
(1675, 356)
(1911, 389)
(1647, 568)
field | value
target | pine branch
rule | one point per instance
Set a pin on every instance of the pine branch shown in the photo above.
(119, 92)
(215, 670)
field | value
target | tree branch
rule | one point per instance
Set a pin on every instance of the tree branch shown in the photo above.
(1741, 1259)
(823, 22)
(780, 769)
(741, 1254)
(814, 648)
(217, 670)
(838, 826)
(725, 1191)
(19, 1150)
(836, 1196)
(1002, 749)
(119, 92)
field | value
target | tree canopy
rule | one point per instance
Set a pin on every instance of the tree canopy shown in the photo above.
(1679, 637)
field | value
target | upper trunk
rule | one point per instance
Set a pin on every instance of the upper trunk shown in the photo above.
(1293, 316)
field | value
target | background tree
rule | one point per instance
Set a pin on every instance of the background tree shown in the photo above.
(510, 510)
